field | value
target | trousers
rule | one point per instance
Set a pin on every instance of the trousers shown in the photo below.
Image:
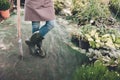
(43, 30)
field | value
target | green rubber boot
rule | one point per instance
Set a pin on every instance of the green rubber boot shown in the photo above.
(31, 46)
(35, 38)
(35, 44)
(40, 52)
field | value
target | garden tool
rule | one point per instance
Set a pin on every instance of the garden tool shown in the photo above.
(19, 29)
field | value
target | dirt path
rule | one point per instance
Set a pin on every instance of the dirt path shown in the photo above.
(59, 64)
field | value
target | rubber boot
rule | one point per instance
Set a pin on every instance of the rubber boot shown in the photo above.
(31, 46)
(32, 42)
(37, 40)
(40, 52)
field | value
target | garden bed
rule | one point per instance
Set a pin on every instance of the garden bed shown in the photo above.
(99, 43)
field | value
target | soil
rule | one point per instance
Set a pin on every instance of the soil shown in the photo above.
(60, 62)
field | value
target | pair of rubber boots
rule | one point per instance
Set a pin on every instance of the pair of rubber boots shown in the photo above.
(35, 44)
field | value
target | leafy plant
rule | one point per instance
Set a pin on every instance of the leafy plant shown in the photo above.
(95, 72)
(4, 4)
(104, 43)
(86, 10)
(59, 5)
(115, 7)
(100, 37)
(108, 57)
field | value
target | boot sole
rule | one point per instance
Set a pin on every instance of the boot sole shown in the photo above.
(40, 53)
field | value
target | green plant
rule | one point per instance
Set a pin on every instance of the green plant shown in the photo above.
(86, 10)
(4, 4)
(95, 72)
(59, 5)
(115, 7)
(104, 43)
(100, 37)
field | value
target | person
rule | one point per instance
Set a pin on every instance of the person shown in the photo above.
(37, 11)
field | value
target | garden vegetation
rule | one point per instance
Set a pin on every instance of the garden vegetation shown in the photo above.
(97, 36)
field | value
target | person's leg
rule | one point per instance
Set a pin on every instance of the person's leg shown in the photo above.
(38, 35)
(47, 27)
(35, 26)
(42, 32)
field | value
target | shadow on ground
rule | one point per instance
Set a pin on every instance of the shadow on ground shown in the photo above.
(59, 64)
